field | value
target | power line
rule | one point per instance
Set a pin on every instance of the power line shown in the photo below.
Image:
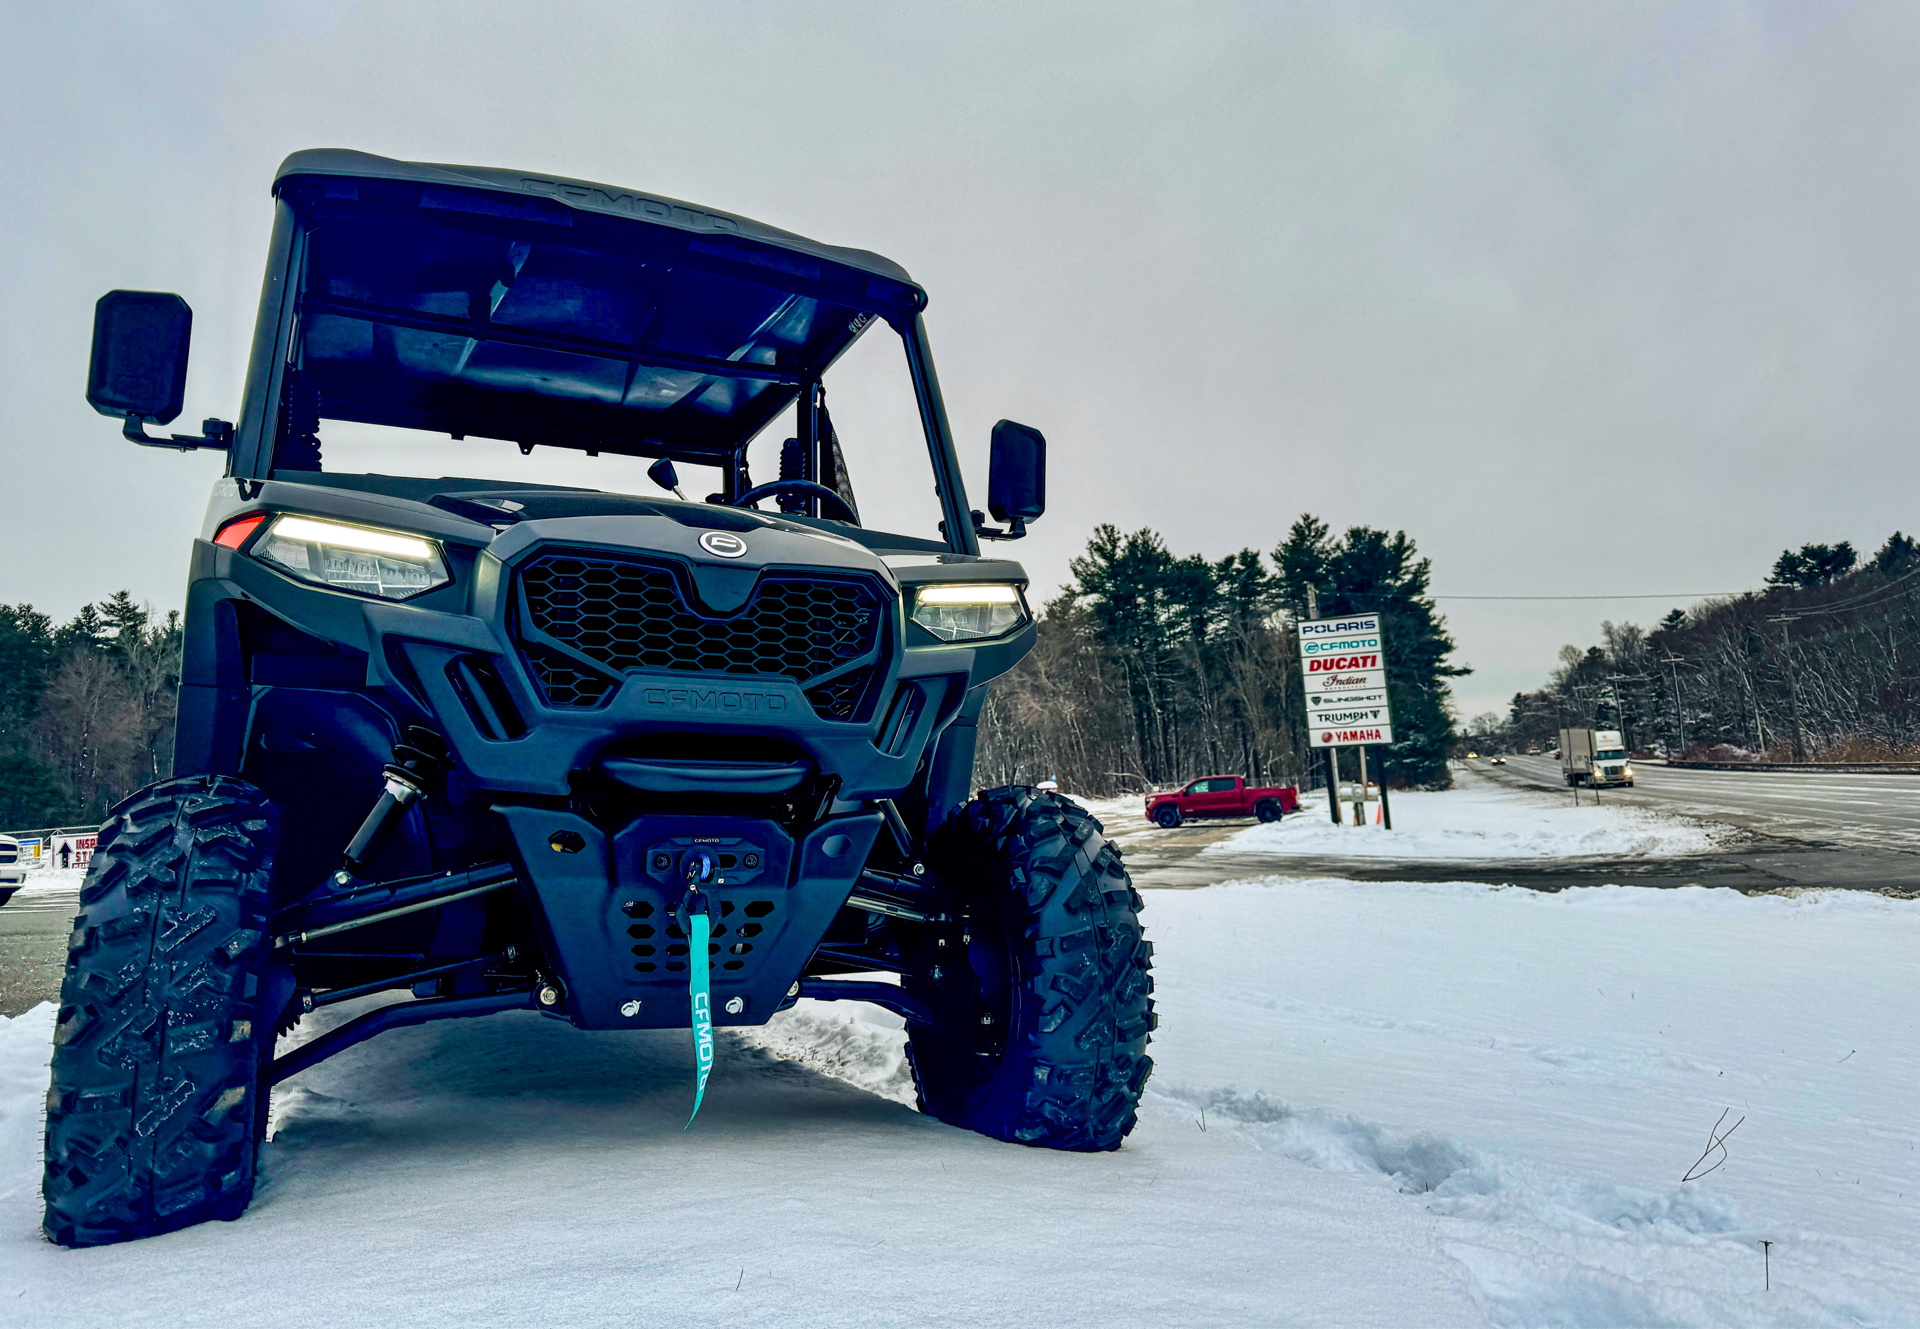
(1674, 595)
(1864, 600)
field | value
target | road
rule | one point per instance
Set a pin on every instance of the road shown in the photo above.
(1878, 812)
(33, 940)
(1801, 829)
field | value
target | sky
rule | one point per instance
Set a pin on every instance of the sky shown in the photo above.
(1591, 300)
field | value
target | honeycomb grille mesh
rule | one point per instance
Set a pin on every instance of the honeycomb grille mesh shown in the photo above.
(840, 699)
(621, 615)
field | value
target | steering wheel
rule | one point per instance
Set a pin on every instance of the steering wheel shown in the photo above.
(807, 487)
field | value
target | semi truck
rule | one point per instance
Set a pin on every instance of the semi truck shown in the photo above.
(1596, 758)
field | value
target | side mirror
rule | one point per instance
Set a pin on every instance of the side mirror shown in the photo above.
(139, 366)
(140, 355)
(662, 474)
(1016, 479)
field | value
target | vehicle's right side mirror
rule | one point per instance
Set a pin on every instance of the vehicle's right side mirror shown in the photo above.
(140, 341)
(1017, 476)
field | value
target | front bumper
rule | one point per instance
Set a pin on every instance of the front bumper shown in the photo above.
(607, 909)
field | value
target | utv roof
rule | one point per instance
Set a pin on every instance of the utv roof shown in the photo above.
(498, 303)
(583, 196)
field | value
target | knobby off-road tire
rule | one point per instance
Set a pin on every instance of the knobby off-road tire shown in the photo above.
(1059, 966)
(155, 1111)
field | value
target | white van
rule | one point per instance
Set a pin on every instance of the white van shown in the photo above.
(13, 873)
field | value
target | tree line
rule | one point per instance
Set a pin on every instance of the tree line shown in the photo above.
(1152, 668)
(1823, 664)
(86, 709)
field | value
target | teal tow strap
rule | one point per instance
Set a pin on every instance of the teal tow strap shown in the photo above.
(699, 928)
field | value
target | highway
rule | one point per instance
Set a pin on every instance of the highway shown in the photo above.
(1878, 812)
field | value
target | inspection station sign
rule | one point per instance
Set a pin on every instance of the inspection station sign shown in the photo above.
(1343, 669)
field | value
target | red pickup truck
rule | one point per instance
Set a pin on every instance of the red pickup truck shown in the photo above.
(1222, 796)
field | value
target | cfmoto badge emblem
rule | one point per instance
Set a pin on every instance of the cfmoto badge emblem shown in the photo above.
(724, 543)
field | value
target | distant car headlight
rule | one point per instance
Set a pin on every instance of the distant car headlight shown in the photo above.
(954, 612)
(389, 564)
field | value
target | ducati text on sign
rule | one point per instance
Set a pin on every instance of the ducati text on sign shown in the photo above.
(1364, 662)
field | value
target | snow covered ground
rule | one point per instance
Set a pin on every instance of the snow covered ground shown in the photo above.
(1419, 1104)
(1481, 820)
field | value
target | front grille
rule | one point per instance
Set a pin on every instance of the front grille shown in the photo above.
(585, 620)
(566, 683)
(840, 699)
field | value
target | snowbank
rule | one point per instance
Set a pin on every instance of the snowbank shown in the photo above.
(52, 882)
(1378, 1104)
(1480, 821)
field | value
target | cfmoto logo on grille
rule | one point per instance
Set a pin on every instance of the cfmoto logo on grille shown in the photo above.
(724, 543)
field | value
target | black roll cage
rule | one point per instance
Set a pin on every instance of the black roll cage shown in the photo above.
(255, 434)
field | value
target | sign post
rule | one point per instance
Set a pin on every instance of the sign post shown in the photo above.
(1343, 671)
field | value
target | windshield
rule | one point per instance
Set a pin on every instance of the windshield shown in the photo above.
(1611, 754)
(573, 355)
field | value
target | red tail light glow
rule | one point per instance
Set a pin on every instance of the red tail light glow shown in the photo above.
(235, 533)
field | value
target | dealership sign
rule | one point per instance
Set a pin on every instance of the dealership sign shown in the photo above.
(1340, 738)
(1347, 690)
(1343, 671)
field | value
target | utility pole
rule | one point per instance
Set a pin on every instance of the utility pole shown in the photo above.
(1673, 663)
(1360, 790)
(1333, 754)
(1793, 688)
(1619, 709)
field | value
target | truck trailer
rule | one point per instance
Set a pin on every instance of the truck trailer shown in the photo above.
(1596, 758)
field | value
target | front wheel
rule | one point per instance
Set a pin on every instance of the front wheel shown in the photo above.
(1167, 815)
(1044, 1009)
(155, 1111)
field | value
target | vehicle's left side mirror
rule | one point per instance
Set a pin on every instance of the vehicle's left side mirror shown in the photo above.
(139, 366)
(140, 341)
(1016, 478)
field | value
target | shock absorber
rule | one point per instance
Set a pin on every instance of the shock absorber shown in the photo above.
(420, 759)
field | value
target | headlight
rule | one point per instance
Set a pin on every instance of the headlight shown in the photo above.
(969, 613)
(389, 564)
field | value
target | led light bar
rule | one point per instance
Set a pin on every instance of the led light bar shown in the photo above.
(390, 565)
(990, 593)
(340, 536)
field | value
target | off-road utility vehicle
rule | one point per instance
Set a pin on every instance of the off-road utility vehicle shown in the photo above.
(629, 760)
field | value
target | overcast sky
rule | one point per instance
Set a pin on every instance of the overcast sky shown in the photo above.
(1590, 299)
